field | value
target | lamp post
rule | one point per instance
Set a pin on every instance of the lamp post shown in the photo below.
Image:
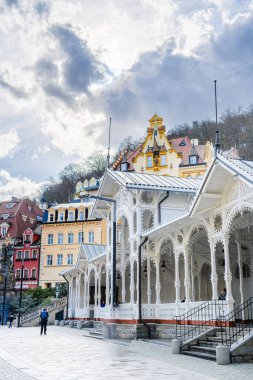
(21, 288)
(114, 274)
(5, 271)
(7, 251)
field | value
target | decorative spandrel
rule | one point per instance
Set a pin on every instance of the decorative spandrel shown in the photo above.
(218, 223)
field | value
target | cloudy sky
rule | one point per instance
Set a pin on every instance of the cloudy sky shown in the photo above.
(68, 65)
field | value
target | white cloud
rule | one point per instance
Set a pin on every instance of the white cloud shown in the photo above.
(72, 65)
(8, 143)
(19, 187)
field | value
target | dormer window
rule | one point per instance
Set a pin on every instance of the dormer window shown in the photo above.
(10, 205)
(149, 161)
(28, 238)
(4, 231)
(193, 159)
(61, 216)
(163, 160)
(51, 217)
(71, 215)
(5, 216)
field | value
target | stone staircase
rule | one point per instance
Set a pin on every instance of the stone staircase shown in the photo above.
(32, 317)
(203, 347)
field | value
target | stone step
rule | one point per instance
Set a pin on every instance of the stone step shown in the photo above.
(208, 343)
(211, 350)
(200, 355)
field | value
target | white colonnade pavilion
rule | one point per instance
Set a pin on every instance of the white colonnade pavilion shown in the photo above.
(199, 241)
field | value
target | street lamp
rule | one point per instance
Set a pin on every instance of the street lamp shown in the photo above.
(7, 252)
(21, 289)
(114, 274)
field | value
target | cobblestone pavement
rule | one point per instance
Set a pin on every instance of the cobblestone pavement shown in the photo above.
(67, 355)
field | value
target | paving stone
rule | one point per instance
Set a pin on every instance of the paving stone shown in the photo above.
(65, 354)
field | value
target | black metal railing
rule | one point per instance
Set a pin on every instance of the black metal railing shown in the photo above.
(238, 323)
(199, 319)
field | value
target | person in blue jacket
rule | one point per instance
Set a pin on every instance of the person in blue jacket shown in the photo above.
(43, 321)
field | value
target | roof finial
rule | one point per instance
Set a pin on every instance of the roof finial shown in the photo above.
(217, 133)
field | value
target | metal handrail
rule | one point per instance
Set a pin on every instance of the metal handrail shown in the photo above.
(34, 313)
(237, 323)
(198, 320)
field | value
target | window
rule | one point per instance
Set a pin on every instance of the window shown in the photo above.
(50, 239)
(60, 238)
(5, 216)
(27, 254)
(61, 216)
(51, 217)
(80, 237)
(70, 238)
(34, 254)
(18, 274)
(19, 255)
(26, 273)
(59, 259)
(49, 259)
(182, 143)
(91, 237)
(70, 259)
(33, 273)
(71, 215)
(4, 231)
(193, 160)
(149, 161)
(163, 160)
(28, 238)
(81, 215)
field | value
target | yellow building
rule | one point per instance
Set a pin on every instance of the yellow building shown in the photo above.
(66, 228)
(180, 157)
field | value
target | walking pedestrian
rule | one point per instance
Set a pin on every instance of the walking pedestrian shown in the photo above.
(10, 320)
(43, 321)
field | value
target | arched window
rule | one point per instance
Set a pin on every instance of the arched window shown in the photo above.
(245, 271)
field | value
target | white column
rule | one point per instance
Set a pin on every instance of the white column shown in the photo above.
(132, 282)
(148, 280)
(192, 279)
(123, 262)
(99, 288)
(88, 292)
(84, 291)
(228, 276)
(177, 280)
(78, 291)
(187, 282)
(96, 289)
(157, 282)
(239, 253)
(107, 290)
(214, 277)
(71, 295)
(200, 284)
(123, 282)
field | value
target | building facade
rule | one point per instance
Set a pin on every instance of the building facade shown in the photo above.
(15, 217)
(27, 253)
(67, 226)
(197, 241)
(180, 157)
